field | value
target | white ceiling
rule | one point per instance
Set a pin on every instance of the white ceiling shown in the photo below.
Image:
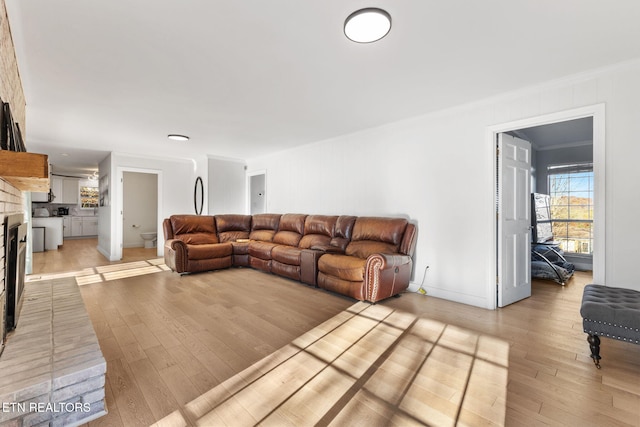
(569, 133)
(248, 77)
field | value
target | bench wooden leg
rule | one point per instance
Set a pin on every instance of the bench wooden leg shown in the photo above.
(594, 345)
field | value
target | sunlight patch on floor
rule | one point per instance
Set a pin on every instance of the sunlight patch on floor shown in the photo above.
(107, 273)
(368, 362)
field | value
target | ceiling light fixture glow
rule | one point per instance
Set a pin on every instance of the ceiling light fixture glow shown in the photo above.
(367, 25)
(178, 137)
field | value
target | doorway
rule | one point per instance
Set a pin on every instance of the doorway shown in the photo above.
(519, 128)
(139, 208)
(139, 202)
(257, 194)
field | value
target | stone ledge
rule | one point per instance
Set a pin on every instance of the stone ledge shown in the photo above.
(52, 371)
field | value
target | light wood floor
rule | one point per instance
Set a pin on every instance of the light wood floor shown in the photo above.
(169, 340)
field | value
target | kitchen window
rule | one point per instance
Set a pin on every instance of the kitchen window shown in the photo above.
(88, 197)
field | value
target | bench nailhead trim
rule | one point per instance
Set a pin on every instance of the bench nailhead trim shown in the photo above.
(589, 331)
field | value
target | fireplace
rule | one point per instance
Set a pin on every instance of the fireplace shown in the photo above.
(15, 238)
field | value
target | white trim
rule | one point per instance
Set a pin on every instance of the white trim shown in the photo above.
(118, 241)
(248, 188)
(226, 159)
(597, 111)
(566, 145)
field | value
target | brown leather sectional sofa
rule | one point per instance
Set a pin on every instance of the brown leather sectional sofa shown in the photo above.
(366, 258)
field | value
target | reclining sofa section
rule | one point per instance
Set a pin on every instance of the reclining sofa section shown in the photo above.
(366, 258)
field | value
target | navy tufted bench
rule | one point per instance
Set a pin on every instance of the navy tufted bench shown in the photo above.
(610, 312)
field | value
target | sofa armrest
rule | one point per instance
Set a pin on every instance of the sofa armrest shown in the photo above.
(175, 255)
(386, 275)
(309, 265)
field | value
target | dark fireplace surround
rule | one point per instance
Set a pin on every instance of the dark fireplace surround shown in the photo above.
(15, 238)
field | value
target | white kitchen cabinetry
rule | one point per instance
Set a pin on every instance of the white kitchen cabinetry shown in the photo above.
(76, 226)
(39, 197)
(90, 226)
(84, 226)
(66, 225)
(56, 189)
(65, 190)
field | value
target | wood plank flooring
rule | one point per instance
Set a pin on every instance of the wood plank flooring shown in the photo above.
(170, 340)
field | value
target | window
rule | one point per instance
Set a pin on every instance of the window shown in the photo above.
(571, 191)
(88, 197)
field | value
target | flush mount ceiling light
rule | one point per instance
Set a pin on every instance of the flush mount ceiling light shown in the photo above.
(177, 137)
(367, 25)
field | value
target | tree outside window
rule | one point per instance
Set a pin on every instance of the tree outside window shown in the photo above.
(571, 191)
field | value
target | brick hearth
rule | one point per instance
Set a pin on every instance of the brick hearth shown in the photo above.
(52, 370)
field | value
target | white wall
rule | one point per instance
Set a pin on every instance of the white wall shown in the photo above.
(104, 212)
(226, 181)
(437, 169)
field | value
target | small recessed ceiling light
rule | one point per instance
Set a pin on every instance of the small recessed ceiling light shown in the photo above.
(177, 137)
(64, 154)
(367, 25)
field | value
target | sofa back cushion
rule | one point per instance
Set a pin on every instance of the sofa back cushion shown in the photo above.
(318, 231)
(264, 226)
(194, 229)
(233, 227)
(376, 235)
(344, 230)
(290, 229)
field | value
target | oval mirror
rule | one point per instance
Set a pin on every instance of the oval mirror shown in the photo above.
(198, 196)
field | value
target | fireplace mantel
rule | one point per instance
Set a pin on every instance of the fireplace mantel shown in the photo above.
(25, 171)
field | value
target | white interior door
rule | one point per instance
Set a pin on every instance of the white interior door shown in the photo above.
(514, 219)
(257, 194)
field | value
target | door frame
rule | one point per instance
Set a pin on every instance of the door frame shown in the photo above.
(249, 175)
(597, 111)
(120, 206)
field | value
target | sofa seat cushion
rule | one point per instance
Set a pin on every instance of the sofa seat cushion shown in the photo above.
(208, 251)
(311, 240)
(286, 255)
(261, 250)
(262, 235)
(343, 267)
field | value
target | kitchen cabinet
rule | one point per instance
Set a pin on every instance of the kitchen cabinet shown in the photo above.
(39, 197)
(66, 225)
(76, 226)
(84, 226)
(90, 226)
(65, 190)
(56, 189)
